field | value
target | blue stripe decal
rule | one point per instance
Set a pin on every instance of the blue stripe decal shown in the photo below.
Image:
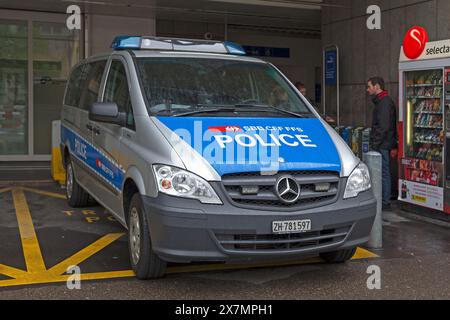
(101, 164)
(236, 145)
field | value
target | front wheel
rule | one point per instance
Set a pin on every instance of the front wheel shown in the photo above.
(76, 196)
(145, 263)
(340, 256)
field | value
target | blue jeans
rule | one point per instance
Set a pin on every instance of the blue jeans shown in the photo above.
(386, 176)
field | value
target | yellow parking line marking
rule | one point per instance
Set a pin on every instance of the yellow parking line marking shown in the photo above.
(85, 253)
(5, 190)
(46, 193)
(38, 274)
(30, 245)
(364, 254)
(53, 277)
(11, 272)
(107, 275)
(63, 278)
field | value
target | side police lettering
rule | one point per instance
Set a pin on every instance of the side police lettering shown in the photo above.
(80, 149)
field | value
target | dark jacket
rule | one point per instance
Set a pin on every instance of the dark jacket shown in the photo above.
(384, 123)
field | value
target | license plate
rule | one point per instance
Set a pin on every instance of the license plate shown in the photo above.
(292, 226)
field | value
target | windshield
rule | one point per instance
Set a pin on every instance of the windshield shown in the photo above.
(217, 87)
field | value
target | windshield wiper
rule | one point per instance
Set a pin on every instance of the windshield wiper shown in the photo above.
(266, 108)
(237, 108)
(207, 109)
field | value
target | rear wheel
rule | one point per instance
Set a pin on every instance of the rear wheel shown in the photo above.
(76, 196)
(338, 256)
(146, 264)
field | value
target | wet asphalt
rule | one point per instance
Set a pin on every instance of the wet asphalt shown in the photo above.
(414, 262)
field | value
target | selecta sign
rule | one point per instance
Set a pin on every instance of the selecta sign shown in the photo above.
(415, 41)
(416, 46)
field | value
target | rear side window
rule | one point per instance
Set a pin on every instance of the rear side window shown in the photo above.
(76, 81)
(91, 89)
(84, 84)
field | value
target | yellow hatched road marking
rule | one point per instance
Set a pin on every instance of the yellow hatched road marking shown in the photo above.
(85, 253)
(30, 245)
(362, 253)
(48, 278)
(46, 193)
(37, 273)
(11, 272)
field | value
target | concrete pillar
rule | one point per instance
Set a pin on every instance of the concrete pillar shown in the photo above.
(373, 161)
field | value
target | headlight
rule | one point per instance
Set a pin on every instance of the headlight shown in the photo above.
(180, 183)
(359, 181)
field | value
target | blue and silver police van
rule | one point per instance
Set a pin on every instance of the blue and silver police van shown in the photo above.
(206, 154)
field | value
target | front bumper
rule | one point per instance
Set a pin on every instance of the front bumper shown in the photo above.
(185, 230)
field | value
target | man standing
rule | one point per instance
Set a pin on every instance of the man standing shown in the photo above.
(384, 131)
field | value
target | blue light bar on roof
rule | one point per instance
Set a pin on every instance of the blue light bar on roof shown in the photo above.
(126, 42)
(234, 48)
(188, 45)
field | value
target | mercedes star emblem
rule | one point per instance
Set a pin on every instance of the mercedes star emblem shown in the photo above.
(287, 189)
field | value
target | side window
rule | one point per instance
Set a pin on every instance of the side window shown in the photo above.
(75, 84)
(91, 86)
(117, 91)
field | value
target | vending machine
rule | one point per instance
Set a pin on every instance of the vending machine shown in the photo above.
(424, 130)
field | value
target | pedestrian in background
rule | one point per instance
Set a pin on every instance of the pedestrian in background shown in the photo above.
(384, 131)
(301, 87)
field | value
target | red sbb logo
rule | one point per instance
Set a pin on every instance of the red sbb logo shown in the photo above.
(226, 129)
(415, 41)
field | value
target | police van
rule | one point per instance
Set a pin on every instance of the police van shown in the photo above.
(206, 154)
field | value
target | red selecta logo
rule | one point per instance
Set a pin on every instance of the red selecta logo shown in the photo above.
(415, 41)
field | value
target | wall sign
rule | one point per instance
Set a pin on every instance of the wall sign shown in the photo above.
(331, 68)
(267, 52)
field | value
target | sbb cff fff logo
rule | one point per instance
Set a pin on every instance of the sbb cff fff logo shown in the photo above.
(415, 41)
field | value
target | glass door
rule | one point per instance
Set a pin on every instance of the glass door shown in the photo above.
(13, 88)
(55, 51)
(37, 54)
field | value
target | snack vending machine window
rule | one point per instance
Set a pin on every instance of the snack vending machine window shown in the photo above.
(421, 177)
(424, 129)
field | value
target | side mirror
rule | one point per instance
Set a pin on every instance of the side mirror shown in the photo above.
(107, 112)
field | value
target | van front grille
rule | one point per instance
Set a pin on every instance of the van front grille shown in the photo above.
(266, 242)
(259, 190)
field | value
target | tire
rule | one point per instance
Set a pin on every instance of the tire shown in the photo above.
(76, 196)
(340, 256)
(145, 263)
